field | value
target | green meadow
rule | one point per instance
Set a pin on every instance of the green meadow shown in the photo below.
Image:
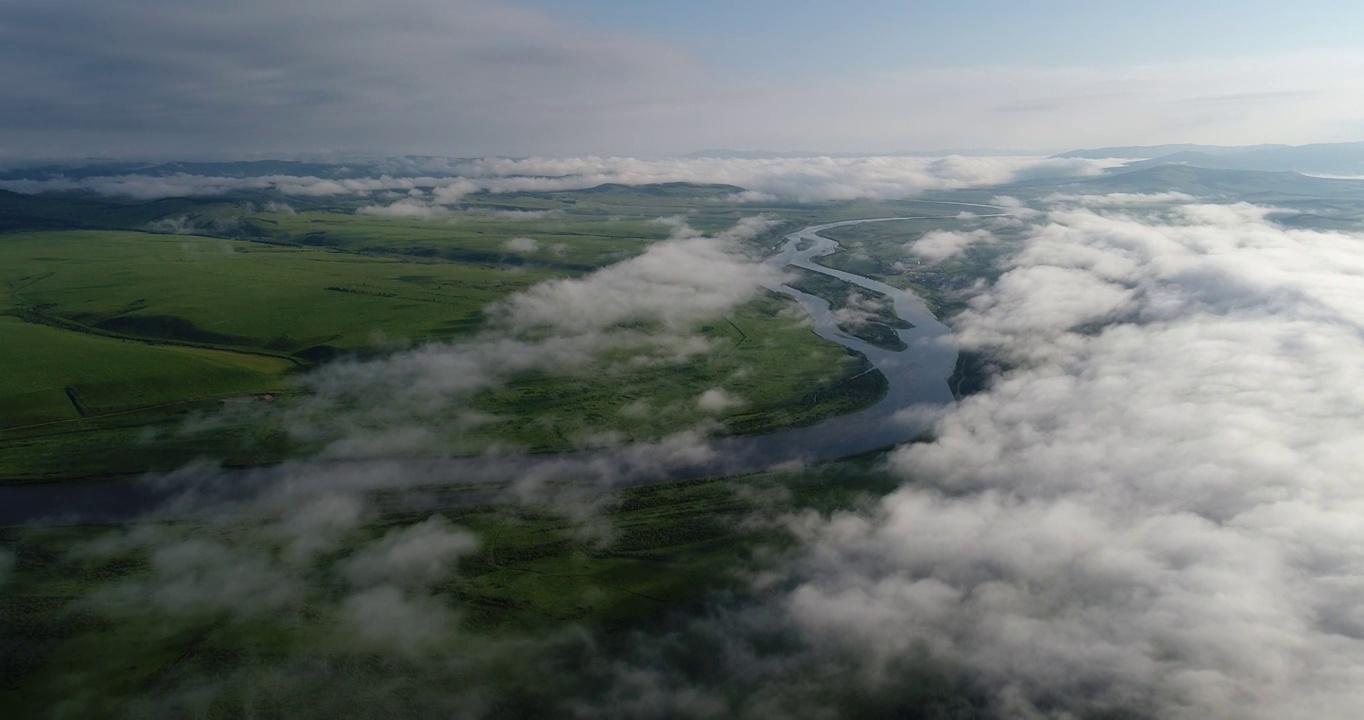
(115, 343)
(242, 295)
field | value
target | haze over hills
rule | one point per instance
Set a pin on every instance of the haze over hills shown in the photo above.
(728, 153)
(1204, 182)
(1320, 159)
(1328, 159)
(1153, 151)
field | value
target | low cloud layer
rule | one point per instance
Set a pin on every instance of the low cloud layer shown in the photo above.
(1156, 511)
(676, 282)
(943, 244)
(799, 179)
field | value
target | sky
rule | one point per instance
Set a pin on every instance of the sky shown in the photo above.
(191, 78)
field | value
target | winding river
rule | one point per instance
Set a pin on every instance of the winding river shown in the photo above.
(916, 377)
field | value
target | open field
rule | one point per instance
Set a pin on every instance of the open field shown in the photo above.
(584, 243)
(242, 295)
(54, 375)
(113, 340)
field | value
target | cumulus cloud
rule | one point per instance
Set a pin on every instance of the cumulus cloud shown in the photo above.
(861, 308)
(406, 208)
(199, 576)
(1119, 199)
(522, 245)
(1015, 208)
(675, 282)
(636, 314)
(320, 524)
(178, 225)
(943, 244)
(385, 618)
(1152, 512)
(414, 556)
(716, 400)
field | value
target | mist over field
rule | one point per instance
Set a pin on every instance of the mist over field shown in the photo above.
(424, 187)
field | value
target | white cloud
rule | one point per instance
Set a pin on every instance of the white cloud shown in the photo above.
(716, 400)
(385, 618)
(404, 209)
(1119, 199)
(414, 556)
(522, 245)
(801, 179)
(1156, 510)
(942, 244)
(676, 282)
(198, 576)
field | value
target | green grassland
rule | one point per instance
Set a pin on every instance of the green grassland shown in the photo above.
(582, 243)
(655, 551)
(54, 375)
(112, 339)
(242, 295)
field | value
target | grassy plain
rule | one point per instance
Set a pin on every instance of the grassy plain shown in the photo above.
(243, 295)
(111, 339)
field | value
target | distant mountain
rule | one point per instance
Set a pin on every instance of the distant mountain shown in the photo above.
(1155, 151)
(243, 169)
(660, 189)
(1218, 182)
(67, 211)
(38, 212)
(1317, 159)
(724, 154)
(250, 169)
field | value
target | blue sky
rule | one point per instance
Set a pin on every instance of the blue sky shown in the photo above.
(611, 77)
